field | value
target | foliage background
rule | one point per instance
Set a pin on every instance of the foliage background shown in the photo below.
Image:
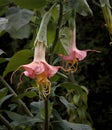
(94, 72)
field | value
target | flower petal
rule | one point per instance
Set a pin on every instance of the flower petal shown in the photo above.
(50, 70)
(33, 69)
(30, 75)
(80, 54)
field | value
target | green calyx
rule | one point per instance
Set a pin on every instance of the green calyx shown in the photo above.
(42, 33)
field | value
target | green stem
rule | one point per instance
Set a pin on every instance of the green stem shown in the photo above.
(15, 95)
(5, 122)
(46, 125)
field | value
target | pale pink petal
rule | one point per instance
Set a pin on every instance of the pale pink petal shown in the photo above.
(30, 75)
(33, 69)
(77, 54)
(80, 54)
(30, 67)
(40, 68)
(70, 57)
(50, 70)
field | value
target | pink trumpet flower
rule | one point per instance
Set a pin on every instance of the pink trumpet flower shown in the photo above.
(39, 64)
(40, 70)
(75, 54)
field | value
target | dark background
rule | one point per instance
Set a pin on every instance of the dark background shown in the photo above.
(95, 72)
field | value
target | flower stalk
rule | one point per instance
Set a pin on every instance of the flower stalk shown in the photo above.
(46, 123)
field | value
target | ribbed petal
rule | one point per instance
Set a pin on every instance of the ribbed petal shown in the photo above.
(33, 69)
(77, 54)
(50, 70)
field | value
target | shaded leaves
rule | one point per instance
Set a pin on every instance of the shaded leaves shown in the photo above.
(19, 58)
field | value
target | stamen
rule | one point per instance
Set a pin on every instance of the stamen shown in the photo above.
(39, 91)
(43, 85)
(71, 65)
(46, 88)
(75, 65)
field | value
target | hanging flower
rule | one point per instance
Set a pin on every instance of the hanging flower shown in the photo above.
(39, 69)
(75, 54)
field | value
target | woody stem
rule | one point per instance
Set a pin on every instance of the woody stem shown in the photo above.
(6, 123)
(46, 123)
(15, 95)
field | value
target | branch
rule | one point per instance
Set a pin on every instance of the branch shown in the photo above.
(46, 125)
(15, 95)
(5, 122)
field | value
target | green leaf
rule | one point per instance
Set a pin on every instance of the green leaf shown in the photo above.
(82, 112)
(21, 28)
(3, 60)
(3, 2)
(3, 92)
(20, 58)
(77, 126)
(20, 119)
(3, 23)
(63, 43)
(55, 13)
(76, 99)
(17, 18)
(62, 47)
(42, 32)
(84, 98)
(59, 49)
(29, 94)
(36, 107)
(50, 108)
(104, 3)
(3, 10)
(62, 75)
(81, 6)
(12, 106)
(3, 6)
(51, 33)
(52, 94)
(30, 4)
(21, 33)
(69, 85)
(66, 103)
(59, 124)
(5, 98)
(85, 89)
